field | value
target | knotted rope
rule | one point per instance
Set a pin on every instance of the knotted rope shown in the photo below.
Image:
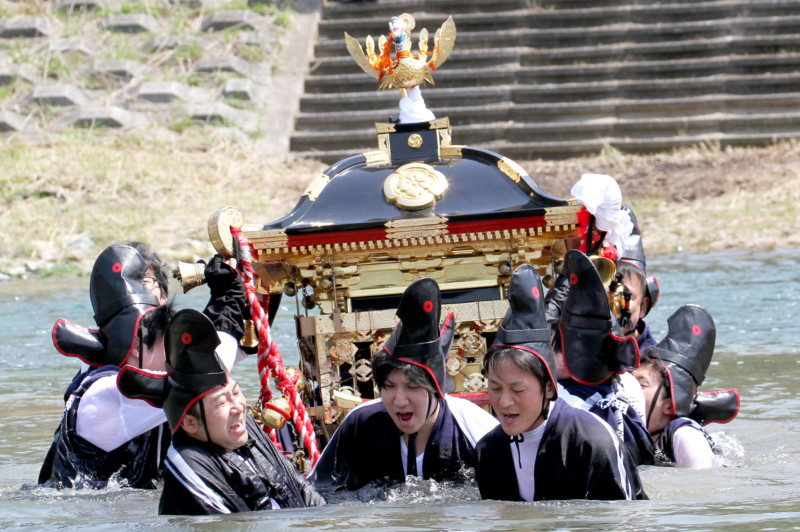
(270, 360)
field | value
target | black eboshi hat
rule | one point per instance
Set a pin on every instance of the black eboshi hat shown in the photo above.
(418, 339)
(685, 353)
(193, 368)
(525, 325)
(119, 299)
(591, 340)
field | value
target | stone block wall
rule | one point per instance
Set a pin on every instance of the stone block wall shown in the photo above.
(557, 78)
(131, 64)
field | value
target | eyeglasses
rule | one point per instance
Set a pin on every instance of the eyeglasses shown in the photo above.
(149, 281)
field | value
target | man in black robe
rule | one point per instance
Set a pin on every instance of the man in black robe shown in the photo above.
(220, 461)
(544, 449)
(387, 439)
(103, 436)
(597, 359)
(670, 376)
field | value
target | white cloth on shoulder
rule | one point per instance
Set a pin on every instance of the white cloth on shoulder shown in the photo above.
(692, 450)
(474, 421)
(108, 419)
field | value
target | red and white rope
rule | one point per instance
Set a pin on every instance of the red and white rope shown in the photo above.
(270, 361)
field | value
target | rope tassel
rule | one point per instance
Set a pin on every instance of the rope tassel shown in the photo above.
(270, 361)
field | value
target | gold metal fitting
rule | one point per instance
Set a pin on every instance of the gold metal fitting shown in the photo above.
(276, 413)
(191, 274)
(294, 375)
(299, 460)
(605, 267)
(250, 337)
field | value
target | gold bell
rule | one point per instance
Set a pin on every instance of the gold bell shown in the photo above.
(250, 337)
(276, 413)
(296, 376)
(605, 267)
(190, 274)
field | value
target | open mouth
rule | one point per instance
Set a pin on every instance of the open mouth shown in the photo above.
(509, 418)
(237, 427)
(405, 417)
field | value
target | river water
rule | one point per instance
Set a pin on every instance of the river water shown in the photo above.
(753, 296)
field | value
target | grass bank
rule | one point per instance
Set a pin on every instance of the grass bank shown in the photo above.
(66, 199)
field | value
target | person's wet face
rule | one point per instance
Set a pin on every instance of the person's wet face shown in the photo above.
(650, 379)
(636, 286)
(152, 358)
(517, 397)
(407, 403)
(225, 418)
(151, 283)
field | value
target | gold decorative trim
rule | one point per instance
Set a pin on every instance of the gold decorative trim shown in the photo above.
(402, 235)
(272, 234)
(443, 138)
(382, 155)
(377, 157)
(417, 232)
(561, 216)
(274, 238)
(440, 123)
(383, 142)
(414, 141)
(511, 169)
(416, 222)
(384, 127)
(414, 186)
(450, 151)
(219, 229)
(314, 188)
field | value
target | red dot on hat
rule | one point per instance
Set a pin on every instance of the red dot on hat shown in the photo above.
(186, 338)
(535, 292)
(117, 267)
(427, 306)
(573, 278)
(696, 330)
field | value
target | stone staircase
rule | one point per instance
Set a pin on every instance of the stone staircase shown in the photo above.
(557, 78)
(164, 65)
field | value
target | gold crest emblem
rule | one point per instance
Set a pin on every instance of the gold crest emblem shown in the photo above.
(414, 186)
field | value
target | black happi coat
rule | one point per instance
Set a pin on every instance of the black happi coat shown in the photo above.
(203, 478)
(74, 462)
(578, 458)
(366, 448)
(619, 414)
(664, 450)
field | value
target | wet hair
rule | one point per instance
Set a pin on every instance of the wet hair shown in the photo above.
(155, 263)
(522, 358)
(383, 364)
(649, 361)
(629, 271)
(555, 339)
(154, 323)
